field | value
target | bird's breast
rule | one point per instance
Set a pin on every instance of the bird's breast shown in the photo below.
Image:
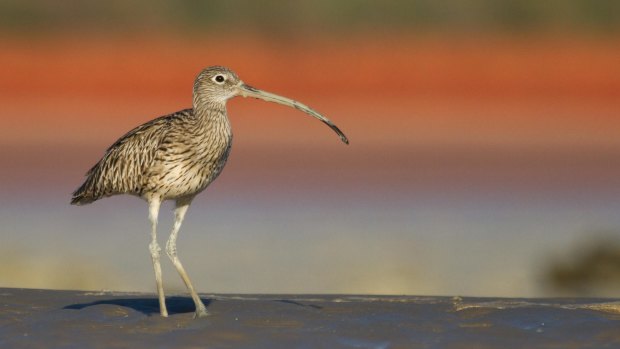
(193, 164)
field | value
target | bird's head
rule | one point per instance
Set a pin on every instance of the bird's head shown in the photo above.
(215, 85)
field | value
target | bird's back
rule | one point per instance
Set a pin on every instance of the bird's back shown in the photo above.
(138, 161)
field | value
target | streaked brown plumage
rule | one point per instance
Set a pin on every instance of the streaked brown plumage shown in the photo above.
(175, 157)
(172, 156)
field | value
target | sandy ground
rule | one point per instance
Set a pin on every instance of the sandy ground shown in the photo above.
(76, 319)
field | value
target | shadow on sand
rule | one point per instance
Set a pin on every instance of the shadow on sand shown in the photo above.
(147, 306)
(288, 301)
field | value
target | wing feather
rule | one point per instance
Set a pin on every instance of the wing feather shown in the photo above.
(123, 167)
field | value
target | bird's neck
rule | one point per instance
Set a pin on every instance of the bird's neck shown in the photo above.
(211, 116)
(208, 108)
(204, 106)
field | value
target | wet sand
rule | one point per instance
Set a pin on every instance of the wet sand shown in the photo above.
(78, 319)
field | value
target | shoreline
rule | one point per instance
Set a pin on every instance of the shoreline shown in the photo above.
(44, 318)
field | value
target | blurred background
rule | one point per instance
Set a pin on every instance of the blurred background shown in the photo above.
(484, 156)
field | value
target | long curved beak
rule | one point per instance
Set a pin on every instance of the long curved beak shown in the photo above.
(249, 91)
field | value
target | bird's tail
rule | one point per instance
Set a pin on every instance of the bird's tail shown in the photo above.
(80, 200)
(83, 195)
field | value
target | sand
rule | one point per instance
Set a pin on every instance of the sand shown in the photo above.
(77, 319)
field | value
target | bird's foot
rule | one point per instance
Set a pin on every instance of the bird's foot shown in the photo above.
(201, 311)
(199, 314)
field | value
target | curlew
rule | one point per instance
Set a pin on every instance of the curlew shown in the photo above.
(175, 157)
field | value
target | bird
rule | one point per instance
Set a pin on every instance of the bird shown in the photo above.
(175, 157)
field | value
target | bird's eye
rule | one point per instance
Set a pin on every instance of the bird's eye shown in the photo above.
(219, 78)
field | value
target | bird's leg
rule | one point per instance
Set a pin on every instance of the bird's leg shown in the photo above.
(154, 248)
(171, 249)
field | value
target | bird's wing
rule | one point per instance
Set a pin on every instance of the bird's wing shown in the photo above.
(122, 167)
(142, 141)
